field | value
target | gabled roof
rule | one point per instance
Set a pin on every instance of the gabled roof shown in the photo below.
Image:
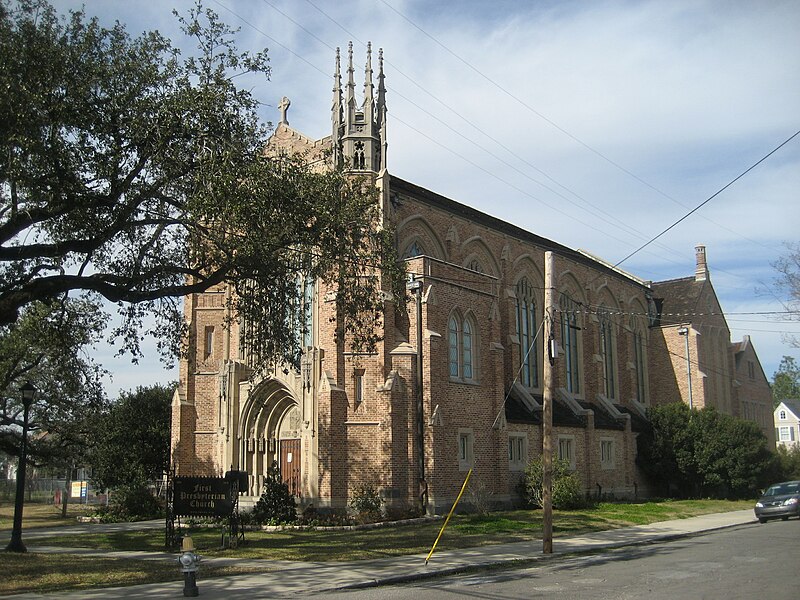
(793, 406)
(677, 297)
(435, 200)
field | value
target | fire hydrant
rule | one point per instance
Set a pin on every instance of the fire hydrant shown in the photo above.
(188, 561)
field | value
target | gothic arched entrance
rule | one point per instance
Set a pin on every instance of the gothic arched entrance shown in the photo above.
(269, 434)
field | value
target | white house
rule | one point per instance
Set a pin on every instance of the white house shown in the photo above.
(787, 423)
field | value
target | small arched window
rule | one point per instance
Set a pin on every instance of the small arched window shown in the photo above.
(414, 250)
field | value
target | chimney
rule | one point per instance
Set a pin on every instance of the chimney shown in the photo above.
(701, 269)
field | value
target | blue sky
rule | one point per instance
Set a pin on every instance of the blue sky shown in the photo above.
(595, 124)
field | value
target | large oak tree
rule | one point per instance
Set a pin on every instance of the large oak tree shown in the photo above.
(134, 172)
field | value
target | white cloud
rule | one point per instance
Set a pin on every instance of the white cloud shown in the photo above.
(683, 94)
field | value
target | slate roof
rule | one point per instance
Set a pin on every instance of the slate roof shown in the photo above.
(676, 297)
(402, 186)
(517, 412)
(602, 419)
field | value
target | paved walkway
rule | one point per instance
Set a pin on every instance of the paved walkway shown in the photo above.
(285, 578)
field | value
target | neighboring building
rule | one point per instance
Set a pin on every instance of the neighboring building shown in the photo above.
(787, 423)
(693, 358)
(345, 419)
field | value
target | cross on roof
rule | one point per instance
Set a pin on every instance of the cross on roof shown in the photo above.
(283, 105)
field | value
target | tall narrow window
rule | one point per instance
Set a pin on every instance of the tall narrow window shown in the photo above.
(453, 346)
(608, 355)
(308, 312)
(461, 348)
(465, 449)
(208, 342)
(358, 386)
(569, 339)
(526, 331)
(639, 363)
(466, 350)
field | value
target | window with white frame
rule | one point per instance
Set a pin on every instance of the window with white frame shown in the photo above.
(782, 415)
(569, 340)
(526, 331)
(517, 451)
(607, 450)
(566, 450)
(786, 434)
(461, 348)
(466, 441)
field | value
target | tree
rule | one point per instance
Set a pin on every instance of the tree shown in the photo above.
(788, 283)
(145, 179)
(48, 345)
(786, 381)
(666, 450)
(129, 445)
(705, 452)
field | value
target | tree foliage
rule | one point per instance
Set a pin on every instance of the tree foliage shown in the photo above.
(566, 487)
(144, 178)
(789, 459)
(786, 381)
(129, 443)
(276, 504)
(49, 345)
(788, 284)
(704, 452)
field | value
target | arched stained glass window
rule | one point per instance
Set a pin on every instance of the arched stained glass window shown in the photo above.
(461, 347)
(569, 340)
(526, 331)
(414, 249)
(453, 346)
(607, 350)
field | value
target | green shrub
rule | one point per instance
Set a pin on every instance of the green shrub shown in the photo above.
(276, 505)
(366, 503)
(567, 492)
(133, 502)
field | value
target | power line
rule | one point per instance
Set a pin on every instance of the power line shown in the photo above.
(710, 198)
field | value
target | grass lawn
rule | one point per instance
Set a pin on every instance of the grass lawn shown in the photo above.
(38, 572)
(39, 515)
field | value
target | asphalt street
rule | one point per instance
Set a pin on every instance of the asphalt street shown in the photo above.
(746, 562)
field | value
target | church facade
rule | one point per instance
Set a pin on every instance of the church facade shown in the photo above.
(456, 382)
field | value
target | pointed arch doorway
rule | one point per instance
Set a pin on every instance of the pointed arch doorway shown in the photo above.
(270, 434)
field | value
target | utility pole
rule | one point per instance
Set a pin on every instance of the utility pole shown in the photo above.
(550, 352)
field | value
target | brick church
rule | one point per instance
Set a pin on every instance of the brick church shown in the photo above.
(456, 382)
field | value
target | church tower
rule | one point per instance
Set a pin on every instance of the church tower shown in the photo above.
(359, 131)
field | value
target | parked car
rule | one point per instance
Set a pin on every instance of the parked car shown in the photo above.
(780, 501)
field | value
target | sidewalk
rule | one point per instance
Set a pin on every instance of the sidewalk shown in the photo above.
(284, 578)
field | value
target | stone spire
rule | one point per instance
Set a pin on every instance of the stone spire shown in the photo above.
(359, 141)
(350, 99)
(336, 113)
(368, 106)
(381, 110)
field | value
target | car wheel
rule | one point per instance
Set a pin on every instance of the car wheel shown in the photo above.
(762, 520)
(784, 518)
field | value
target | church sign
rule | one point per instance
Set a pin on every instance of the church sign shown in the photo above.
(202, 497)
